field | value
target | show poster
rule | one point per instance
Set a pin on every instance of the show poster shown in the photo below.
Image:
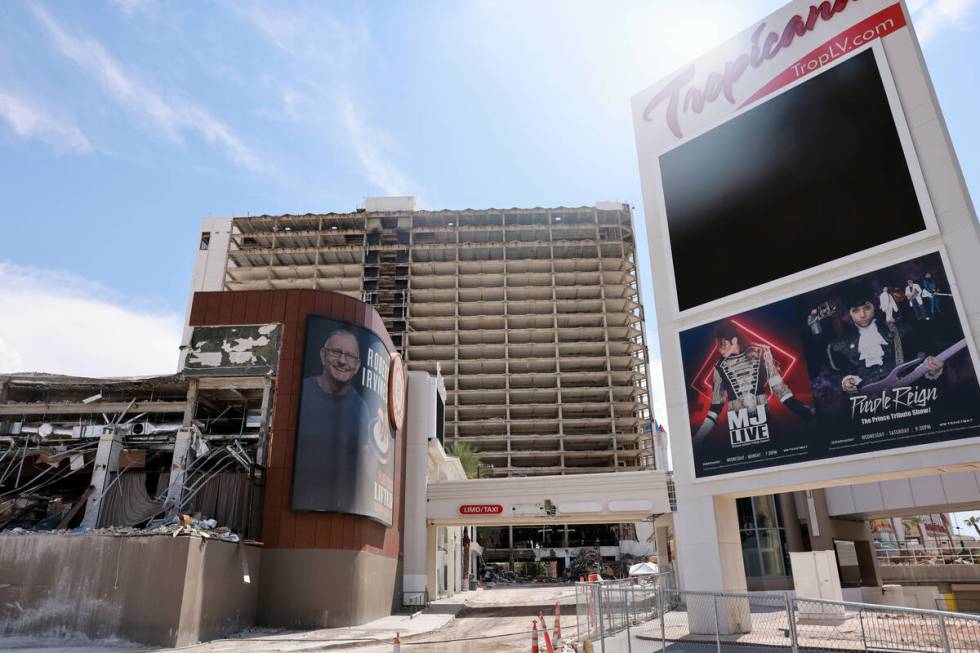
(877, 362)
(345, 454)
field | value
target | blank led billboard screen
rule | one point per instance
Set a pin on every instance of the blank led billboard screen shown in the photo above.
(812, 175)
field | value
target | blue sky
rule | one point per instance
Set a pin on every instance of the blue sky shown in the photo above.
(123, 124)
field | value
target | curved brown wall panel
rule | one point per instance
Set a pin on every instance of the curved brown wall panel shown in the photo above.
(281, 527)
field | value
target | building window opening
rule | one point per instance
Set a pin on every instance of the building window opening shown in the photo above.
(763, 537)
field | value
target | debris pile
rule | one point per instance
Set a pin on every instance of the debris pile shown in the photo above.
(185, 525)
(80, 453)
(494, 574)
(181, 525)
(588, 561)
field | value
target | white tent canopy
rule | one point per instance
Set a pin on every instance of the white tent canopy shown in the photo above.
(643, 569)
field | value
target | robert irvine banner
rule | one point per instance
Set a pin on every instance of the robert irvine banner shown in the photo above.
(876, 362)
(345, 454)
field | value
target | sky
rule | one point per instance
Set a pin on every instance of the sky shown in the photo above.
(123, 124)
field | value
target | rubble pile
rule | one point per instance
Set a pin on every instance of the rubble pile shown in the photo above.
(494, 574)
(182, 525)
(588, 561)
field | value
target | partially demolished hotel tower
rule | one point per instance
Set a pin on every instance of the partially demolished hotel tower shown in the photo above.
(532, 316)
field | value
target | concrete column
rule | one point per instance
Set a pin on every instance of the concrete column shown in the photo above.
(899, 526)
(106, 462)
(791, 522)
(432, 561)
(178, 470)
(710, 559)
(661, 534)
(182, 451)
(419, 426)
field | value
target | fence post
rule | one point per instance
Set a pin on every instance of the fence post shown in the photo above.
(864, 638)
(663, 615)
(627, 595)
(714, 600)
(602, 625)
(791, 618)
(634, 617)
(943, 635)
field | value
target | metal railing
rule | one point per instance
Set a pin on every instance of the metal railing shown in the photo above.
(620, 616)
(935, 557)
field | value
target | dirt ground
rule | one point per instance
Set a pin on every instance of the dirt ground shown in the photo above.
(496, 620)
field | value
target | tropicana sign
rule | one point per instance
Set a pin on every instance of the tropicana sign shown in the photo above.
(763, 48)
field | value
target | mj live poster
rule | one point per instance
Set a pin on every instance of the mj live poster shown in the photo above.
(876, 362)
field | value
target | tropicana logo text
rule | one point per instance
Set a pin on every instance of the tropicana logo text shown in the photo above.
(718, 84)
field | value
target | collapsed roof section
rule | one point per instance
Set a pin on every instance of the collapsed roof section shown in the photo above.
(94, 453)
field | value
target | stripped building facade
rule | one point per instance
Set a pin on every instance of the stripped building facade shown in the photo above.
(532, 316)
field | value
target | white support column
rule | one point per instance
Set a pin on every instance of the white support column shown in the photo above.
(106, 462)
(432, 561)
(419, 427)
(711, 560)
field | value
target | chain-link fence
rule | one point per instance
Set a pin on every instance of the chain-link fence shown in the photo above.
(652, 615)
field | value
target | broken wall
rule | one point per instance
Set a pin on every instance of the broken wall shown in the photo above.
(321, 569)
(150, 590)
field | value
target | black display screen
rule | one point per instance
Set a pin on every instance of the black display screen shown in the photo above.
(810, 176)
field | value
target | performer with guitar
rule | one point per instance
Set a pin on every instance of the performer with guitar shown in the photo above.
(930, 292)
(868, 351)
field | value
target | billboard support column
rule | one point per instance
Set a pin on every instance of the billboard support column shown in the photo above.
(711, 560)
(432, 561)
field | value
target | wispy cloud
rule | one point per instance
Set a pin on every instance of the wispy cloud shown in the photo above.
(63, 323)
(29, 121)
(308, 31)
(369, 145)
(171, 117)
(933, 16)
(322, 55)
(133, 7)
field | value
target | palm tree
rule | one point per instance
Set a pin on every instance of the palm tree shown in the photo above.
(468, 458)
(974, 521)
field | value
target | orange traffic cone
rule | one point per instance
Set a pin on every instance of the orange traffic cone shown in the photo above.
(534, 636)
(544, 626)
(557, 624)
(396, 646)
(547, 641)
